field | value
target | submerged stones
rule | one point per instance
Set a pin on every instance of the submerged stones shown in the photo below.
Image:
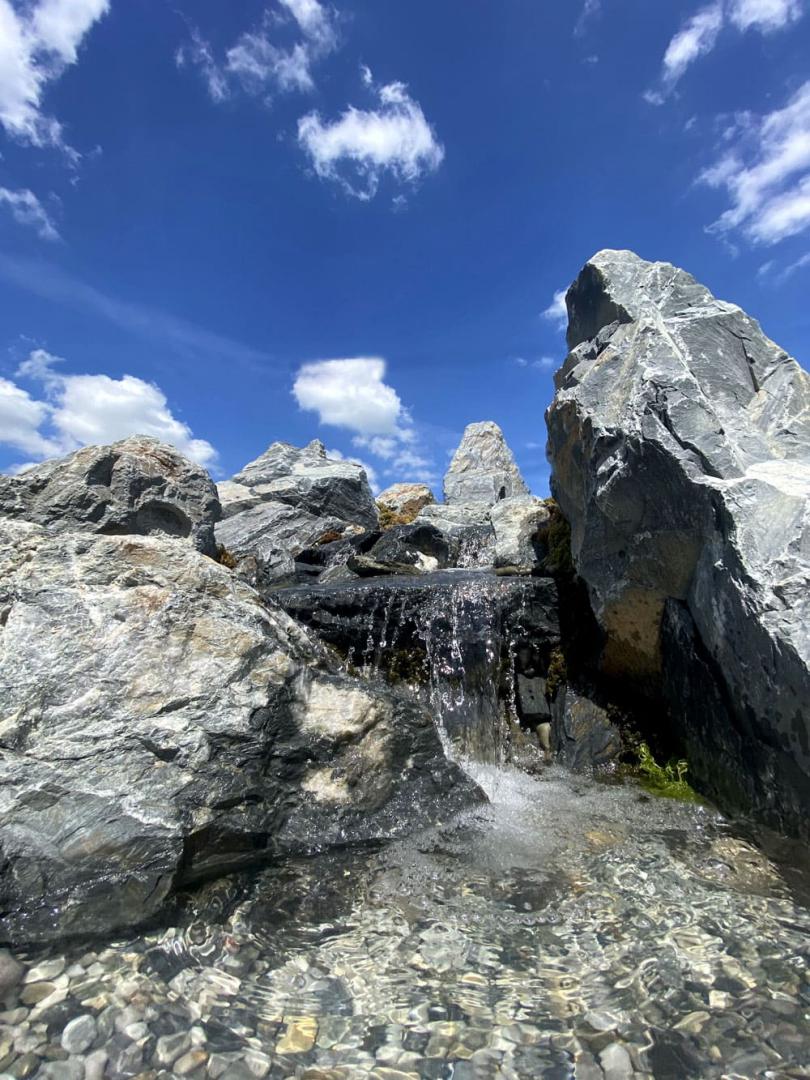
(679, 438)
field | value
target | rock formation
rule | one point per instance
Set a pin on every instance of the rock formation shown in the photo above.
(483, 469)
(160, 723)
(517, 522)
(289, 499)
(680, 443)
(138, 485)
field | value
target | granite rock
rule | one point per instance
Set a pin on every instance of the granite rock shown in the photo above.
(483, 469)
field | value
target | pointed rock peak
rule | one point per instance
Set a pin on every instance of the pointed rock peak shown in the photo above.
(621, 287)
(316, 447)
(483, 469)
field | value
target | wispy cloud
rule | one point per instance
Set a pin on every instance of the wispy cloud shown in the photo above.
(699, 33)
(37, 42)
(766, 173)
(590, 10)
(186, 338)
(358, 148)
(26, 209)
(257, 63)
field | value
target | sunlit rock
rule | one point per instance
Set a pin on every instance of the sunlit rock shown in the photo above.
(680, 443)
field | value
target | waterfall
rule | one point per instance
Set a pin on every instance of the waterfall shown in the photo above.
(460, 640)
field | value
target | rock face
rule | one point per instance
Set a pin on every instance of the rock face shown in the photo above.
(483, 469)
(160, 724)
(516, 523)
(288, 500)
(473, 646)
(680, 444)
(405, 500)
(137, 486)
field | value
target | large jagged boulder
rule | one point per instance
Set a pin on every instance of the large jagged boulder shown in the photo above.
(138, 485)
(483, 469)
(290, 499)
(679, 438)
(160, 724)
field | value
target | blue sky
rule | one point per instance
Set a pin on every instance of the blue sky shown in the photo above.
(237, 223)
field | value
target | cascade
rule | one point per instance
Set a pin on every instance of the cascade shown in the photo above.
(465, 642)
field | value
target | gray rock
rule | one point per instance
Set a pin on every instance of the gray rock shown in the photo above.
(290, 499)
(467, 526)
(680, 443)
(405, 499)
(516, 522)
(138, 485)
(11, 972)
(483, 469)
(367, 566)
(79, 1034)
(160, 724)
(582, 736)
(420, 545)
(169, 1048)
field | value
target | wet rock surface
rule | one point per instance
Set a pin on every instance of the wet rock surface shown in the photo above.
(159, 724)
(460, 640)
(138, 485)
(680, 443)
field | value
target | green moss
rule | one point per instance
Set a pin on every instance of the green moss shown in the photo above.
(666, 781)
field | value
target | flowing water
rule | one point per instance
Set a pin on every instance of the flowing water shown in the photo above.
(566, 928)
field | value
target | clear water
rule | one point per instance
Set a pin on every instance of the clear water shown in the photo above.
(566, 929)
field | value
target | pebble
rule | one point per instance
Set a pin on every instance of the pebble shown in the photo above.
(79, 1034)
(33, 993)
(47, 970)
(170, 1047)
(95, 1064)
(615, 1062)
(299, 1036)
(194, 1059)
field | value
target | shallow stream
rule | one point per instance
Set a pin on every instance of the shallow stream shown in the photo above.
(569, 928)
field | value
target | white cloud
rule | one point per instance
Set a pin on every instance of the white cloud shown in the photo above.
(26, 209)
(352, 394)
(197, 52)
(21, 418)
(766, 173)
(79, 410)
(765, 15)
(699, 34)
(257, 62)
(695, 38)
(37, 42)
(358, 148)
(557, 312)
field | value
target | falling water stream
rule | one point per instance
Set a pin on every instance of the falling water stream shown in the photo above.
(566, 928)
